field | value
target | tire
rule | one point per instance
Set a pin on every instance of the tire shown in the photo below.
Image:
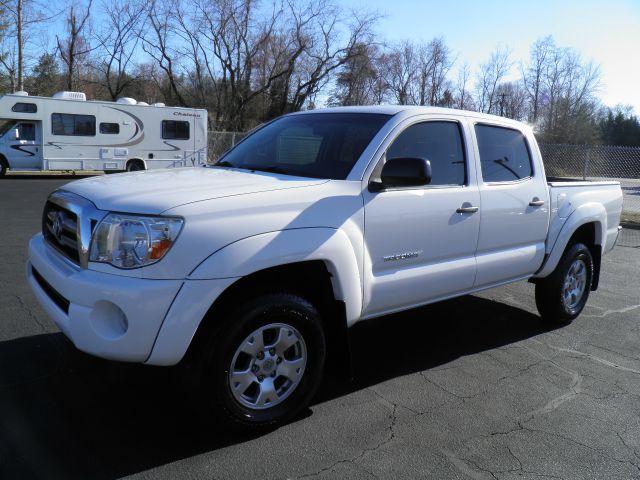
(561, 296)
(135, 166)
(275, 382)
(3, 167)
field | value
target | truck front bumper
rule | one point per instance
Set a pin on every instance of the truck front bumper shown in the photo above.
(109, 316)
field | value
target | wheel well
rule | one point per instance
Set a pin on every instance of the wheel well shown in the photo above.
(3, 160)
(136, 160)
(587, 234)
(311, 280)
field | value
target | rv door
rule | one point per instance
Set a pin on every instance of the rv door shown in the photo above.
(25, 146)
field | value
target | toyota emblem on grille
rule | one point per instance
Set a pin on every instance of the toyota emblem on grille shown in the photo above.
(56, 228)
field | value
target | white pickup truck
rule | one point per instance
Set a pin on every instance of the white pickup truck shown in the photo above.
(252, 269)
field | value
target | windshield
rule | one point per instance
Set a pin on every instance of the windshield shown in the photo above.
(5, 126)
(319, 145)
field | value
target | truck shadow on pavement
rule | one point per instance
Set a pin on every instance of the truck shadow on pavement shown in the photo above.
(66, 414)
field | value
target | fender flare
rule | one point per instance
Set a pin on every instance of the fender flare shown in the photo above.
(259, 252)
(588, 213)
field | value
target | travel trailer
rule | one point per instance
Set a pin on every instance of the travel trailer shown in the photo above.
(67, 132)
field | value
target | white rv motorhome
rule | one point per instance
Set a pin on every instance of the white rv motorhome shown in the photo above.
(67, 132)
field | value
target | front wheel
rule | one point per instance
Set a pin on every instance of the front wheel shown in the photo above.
(264, 366)
(3, 168)
(562, 295)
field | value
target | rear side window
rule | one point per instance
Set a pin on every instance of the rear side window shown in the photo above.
(504, 154)
(110, 128)
(22, 107)
(174, 130)
(73, 125)
(438, 142)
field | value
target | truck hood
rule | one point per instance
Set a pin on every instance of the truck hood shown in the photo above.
(153, 192)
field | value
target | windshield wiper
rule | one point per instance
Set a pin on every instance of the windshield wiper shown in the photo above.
(224, 163)
(266, 168)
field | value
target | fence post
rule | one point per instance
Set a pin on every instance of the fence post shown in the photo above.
(233, 139)
(586, 163)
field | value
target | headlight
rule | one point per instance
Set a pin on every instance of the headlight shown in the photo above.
(132, 241)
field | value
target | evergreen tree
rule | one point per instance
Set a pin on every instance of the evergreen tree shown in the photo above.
(45, 78)
(620, 128)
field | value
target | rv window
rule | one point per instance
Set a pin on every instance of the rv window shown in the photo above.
(21, 107)
(174, 130)
(110, 128)
(69, 124)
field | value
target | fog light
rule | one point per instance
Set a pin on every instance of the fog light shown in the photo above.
(108, 320)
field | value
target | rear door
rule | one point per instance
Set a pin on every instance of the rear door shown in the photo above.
(514, 212)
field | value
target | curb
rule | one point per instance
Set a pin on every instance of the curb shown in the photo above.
(630, 225)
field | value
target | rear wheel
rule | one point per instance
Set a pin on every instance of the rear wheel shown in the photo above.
(135, 166)
(562, 295)
(264, 366)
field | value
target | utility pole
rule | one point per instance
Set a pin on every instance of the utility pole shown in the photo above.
(502, 98)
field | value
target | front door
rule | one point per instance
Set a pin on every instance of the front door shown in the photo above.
(25, 148)
(420, 243)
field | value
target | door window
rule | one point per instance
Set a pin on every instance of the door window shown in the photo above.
(438, 142)
(504, 154)
(27, 131)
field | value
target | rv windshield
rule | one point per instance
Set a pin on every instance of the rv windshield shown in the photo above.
(319, 145)
(5, 126)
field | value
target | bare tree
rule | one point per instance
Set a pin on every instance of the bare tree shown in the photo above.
(117, 42)
(489, 77)
(512, 100)
(463, 90)
(401, 68)
(75, 48)
(533, 73)
(8, 62)
(433, 62)
(23, 15)
(156, 43)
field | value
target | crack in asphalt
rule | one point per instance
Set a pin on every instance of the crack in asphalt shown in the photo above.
(391, 435)
(30, 313)
(522, 427)
(575, 388)
(606, 313)
(446, 390)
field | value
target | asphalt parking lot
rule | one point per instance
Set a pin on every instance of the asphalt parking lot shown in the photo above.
(474, 388)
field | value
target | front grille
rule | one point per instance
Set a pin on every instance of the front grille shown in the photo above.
(60, 230)
(53, 294)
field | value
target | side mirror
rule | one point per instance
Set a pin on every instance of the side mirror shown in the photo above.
(403, 172)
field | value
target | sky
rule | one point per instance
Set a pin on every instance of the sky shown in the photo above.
(607, 32)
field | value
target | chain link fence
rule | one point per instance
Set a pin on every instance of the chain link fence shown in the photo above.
(599, 162)
(220, 142)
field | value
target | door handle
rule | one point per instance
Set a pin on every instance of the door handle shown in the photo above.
(468, 209)
(536, 202)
